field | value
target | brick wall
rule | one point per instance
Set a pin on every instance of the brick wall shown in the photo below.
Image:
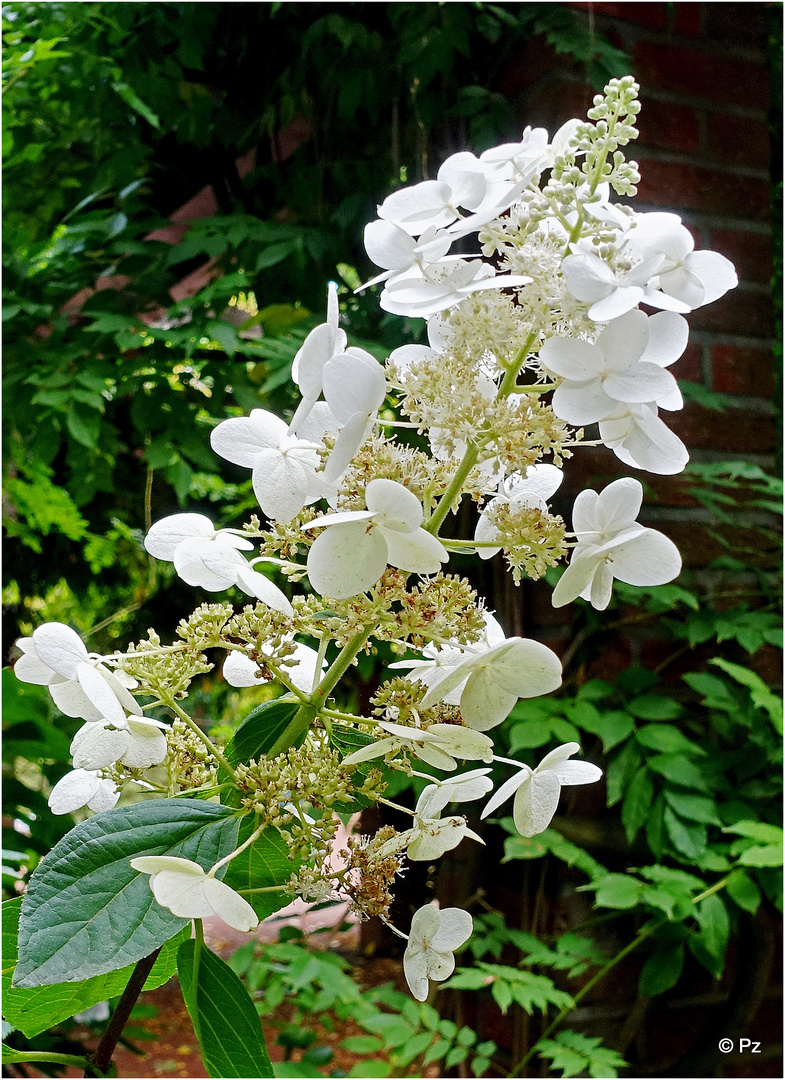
(704, 152)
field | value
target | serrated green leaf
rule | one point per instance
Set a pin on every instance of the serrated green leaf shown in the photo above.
(709, 944)
(757, 830)
(265, 864)
(618, 891)
(35, 1010)
(691, 806)
(223, 1015)
(637, 802)
(88, 912)
(689, 838)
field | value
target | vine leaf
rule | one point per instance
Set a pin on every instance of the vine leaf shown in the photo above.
(88, 912)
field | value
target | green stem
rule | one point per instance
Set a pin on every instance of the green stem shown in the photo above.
(470, 458)
(233, 855)
(198, 946)
(341, 664)
(216, 753)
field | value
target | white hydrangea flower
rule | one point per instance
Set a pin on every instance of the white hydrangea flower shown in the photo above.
(433, 938)
(354, 388)
(530, 491)
(284, 467)
(466, 787)
(80, 684)
(626, 364)
(390, 246)
(80, 788)
(439, 745)
(187, 891)
(139, 743)
(496, 678)
(210, 558)
(537, 790)
(356, 546)
(613, 544)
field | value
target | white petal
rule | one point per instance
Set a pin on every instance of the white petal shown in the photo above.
(182, 893)
(309, 361)
(575, 579)
(166, 535)
(668, 336)
(353, 382)
(154, 864)
(601, 587)
(395, 506)
(648, 559)
(117, 682)
(229, 905)
(60, 647)
(30, 668)
(717, 273)
(255, 584)
(240, 439)
(622, 342)
(619, 504)
(577, 772)
(191, 559)
(353, 434)
(462, 742)
(641, 383)
(484, 704)
(105, 797)
(418, 552)
(146, 746)
(96, 746)
(240, 670)
(100, 695)
(415, 972)
(347, 559)
(535, 803)
(70, 698)
(73, 791)
(621, 300)
(280, 483)
(508, 788)
(582, 403)
(455, 928)
(572, 359)
(388, 245)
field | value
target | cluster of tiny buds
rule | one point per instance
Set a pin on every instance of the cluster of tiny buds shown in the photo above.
(190, 762)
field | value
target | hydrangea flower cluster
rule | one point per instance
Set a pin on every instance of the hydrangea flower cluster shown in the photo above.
(530, 279)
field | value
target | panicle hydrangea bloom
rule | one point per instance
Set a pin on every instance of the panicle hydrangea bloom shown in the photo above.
(530, 280)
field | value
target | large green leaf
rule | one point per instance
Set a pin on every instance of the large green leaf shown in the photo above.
(269, 729)
(223, 1015)
(88, 912)
(265, 864)
(33, 1011)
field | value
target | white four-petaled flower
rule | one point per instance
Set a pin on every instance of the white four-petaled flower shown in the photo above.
(356, 546)
(187, 891)
(434, 936)
(612, 544)
(537, 790)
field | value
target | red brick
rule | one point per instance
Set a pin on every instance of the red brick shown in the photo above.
(751, 253)
(701, 74)
(737, 140)
(734, 431)
(555, 102)
(535, 60)
(743, 371)
(683, 18)
(737, 24)
(695, 187)
(738, 312)
(668, 127)
(689, 365)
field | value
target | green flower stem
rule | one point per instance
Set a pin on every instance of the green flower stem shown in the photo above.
(233, 855)
(470, 458)
(198, 946)
(640, 937)
(341, 664)
(216, 753)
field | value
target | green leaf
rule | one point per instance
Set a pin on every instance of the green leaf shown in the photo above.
(686, 837)
(223, 1015)
(668, 740)
(692, 807)
(364, 1070)
(36, 1010)
(771, 855)
(266, 863)
(756, 830)
(637, 802)
(135, 102)
(362, 1044)
(743, 891)
(709, 944)
(620, 771)
(654, 707)
(88, 912)
(575, 1054)
(614, 728)
(761, 696)
(269, 729)
(661, 971)
(532, 734)
(617, 891)
(679, 770)
(83, 424)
